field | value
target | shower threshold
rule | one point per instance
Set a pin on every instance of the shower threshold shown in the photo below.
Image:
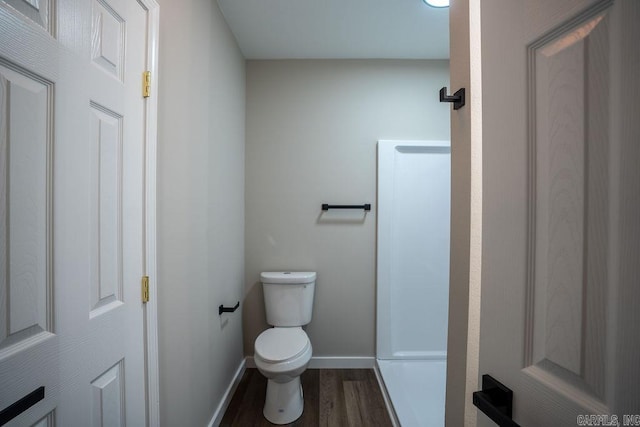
(416, 389)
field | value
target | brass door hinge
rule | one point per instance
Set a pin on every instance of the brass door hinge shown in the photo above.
(145, 288)
(146, 84)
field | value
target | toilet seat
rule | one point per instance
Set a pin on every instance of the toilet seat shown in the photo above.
(278, 345)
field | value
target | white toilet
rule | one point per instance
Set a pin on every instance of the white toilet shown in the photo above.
(282, 353)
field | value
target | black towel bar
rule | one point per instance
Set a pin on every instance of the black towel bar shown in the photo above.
(326, 207)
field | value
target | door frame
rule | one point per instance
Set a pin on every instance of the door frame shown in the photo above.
(151, 142)
(463, 342)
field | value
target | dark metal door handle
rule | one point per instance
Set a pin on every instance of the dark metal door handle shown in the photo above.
(16, 408)
(495, 400)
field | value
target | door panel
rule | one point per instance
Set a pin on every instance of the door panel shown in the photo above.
(106, 236)
(38, 11)
(107, 39)
(567, 290)
(108, 402)
(25, 211)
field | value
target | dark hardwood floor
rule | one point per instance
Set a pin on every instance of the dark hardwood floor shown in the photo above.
(332, 398)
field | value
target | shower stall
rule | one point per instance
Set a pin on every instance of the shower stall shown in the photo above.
(414, 187)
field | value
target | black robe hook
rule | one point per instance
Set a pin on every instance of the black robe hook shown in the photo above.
(457, 98)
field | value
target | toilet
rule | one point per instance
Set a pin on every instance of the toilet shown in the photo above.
(283, 352)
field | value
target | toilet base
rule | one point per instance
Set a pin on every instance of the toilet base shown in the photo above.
(284, 402)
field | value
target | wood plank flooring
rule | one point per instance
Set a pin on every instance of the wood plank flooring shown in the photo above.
(332, 398)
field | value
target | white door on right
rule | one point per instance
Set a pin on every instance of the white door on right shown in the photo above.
(560, 311)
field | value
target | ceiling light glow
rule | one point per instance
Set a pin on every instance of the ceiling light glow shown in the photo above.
(437, 3)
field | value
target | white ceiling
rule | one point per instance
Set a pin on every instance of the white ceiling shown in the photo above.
(284, 29)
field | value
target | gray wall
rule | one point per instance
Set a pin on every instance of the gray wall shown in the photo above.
(311, 134)
(200, 209)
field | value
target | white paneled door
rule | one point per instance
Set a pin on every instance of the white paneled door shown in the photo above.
(559, 320)
(72, 211)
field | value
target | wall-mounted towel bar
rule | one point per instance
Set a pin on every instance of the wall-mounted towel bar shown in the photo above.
(326, 207)
(223, 309)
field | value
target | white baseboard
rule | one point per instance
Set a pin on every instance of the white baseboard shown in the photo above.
(228, 395)
(331, 362)
(385, 395)
(342, 362)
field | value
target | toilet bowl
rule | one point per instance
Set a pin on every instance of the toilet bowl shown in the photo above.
(282, 355)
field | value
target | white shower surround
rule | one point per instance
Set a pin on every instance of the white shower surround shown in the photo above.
(414, 207)
(414, 189)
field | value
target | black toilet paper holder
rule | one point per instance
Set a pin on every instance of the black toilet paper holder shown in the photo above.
(223, 309)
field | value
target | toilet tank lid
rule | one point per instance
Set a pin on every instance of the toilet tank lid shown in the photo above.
(291, 277)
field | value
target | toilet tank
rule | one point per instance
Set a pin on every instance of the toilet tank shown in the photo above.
(288, 297)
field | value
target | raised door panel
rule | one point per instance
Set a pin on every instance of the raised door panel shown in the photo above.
(25, 208)
(568, 287)
(47, 421)
(108, 400)
(107, 39)
(106, 237)
(39, 12)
